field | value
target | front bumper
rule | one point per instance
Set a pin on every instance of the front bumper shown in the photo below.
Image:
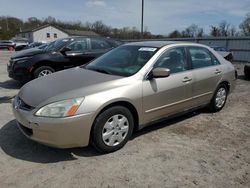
(56, 132)
(18, 73)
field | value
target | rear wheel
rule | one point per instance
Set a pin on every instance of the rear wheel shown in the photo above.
(112, 129)
(219, 98)
(43, 71)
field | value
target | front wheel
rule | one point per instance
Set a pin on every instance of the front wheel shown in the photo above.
(112, 129)
(219, 98)
(43, 71)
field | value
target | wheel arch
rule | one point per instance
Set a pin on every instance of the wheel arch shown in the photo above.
(226, 83)
(125, 104)
(44, 63)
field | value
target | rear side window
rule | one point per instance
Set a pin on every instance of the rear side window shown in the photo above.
(99, 44)
(202, 57)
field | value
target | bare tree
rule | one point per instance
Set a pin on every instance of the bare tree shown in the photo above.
(245, 25)
(193, 31)
(175, 34)
(224, 28)
(214, 31)
(232, 31)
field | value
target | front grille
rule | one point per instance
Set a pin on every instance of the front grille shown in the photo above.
(22, 105)
(27, 131)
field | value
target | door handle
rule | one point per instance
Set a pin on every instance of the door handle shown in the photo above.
(217, 71)
(186, 79)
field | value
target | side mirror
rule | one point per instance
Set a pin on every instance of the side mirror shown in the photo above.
(64, 50)
(160, 73)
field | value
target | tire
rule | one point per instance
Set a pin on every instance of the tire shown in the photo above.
(219, 99)
(108, 136)
(247, 71)
(41, 71)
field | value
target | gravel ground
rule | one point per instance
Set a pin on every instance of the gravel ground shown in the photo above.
(200, 149)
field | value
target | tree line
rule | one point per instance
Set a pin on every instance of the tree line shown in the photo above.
(9, 26)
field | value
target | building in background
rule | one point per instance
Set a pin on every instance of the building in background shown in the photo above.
(48, 33)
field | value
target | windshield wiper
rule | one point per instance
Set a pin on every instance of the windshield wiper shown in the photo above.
(99, 70)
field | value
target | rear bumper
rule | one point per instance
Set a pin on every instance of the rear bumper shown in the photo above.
(56, 132)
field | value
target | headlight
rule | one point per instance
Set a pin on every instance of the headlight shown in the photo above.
(59, 109)
(21, 60)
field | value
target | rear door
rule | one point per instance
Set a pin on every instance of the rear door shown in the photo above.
(166, 96)
(206, 72)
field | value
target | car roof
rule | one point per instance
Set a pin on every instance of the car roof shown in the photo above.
(75, 37)
(156, 44)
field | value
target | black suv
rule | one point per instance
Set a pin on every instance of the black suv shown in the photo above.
(58, 55)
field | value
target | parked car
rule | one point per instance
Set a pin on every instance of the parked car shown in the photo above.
(58, 55)
(7, 45)
(33, 45)
(125, 89)
(247, 71)
(20, 43)
(227, 54)
(43, 46)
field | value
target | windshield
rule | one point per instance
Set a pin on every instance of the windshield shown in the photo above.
(57, 44)
(122, 61)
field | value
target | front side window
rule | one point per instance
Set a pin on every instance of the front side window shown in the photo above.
(173, 59)
(78, 45)
(201, 57)
(98, 44)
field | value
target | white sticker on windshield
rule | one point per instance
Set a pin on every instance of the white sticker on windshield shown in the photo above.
(147, 49)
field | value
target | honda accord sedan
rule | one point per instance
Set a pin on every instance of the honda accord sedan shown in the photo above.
(126, 89)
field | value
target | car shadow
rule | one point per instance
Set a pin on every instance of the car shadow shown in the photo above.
(11, 84)
(16, 145)
(6, 99)
(242, 77)
(168, 122)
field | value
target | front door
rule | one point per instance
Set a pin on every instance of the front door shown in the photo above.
(166, 96)
(77, 54)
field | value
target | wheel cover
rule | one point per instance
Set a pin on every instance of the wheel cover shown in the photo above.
(44, 73)
(115, 130)
(220, 98)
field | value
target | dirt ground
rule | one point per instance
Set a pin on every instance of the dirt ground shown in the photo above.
(200, 149)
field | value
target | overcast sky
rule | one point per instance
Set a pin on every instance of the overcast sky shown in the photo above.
(161, 16)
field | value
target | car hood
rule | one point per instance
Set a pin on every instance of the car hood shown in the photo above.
(71, 83)
(28, 52)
